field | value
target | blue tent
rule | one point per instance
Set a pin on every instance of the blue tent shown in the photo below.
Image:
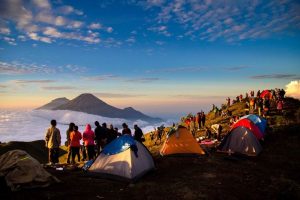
(119, 145)
(260, 122)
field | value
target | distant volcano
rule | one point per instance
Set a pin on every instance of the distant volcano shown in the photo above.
(90, 104)
(54, 103)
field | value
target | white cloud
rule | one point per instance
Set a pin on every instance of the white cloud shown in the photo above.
(95, 26)
(4, 30)
(66, 10)
(226, 20)
(109, 29)
(10, 40)
(293, 89)
(44, 4)
(33, 19)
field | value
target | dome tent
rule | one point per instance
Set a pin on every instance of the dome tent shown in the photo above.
(240, 140)
(260, 122)
(181, 142)
(124, 158)
(250, 125)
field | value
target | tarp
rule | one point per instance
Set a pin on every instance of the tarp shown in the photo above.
(250, 125)
(23, 171)
(119, 145)
(181, 142)
(260, 122)
(240, 140)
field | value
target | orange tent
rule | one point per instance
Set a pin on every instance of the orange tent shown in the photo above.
(181, 142)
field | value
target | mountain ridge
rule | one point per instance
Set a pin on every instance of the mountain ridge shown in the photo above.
(88, 103)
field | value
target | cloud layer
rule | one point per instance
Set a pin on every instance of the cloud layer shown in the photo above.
(293, 89)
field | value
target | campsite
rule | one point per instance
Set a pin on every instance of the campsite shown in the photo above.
(272, 174)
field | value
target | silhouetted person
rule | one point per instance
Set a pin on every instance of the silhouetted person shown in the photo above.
(68, 132)
(53, 140)
(126, 130)
(138, 133)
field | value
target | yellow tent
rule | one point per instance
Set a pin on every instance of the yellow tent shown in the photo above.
(181, 142)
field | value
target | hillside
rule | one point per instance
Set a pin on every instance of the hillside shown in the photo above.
(271, 175)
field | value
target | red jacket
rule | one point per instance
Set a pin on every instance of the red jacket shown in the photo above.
(88, 136)
(75, 137)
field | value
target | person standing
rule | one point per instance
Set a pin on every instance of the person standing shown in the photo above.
(75, 137)
(98, 137)
(88, 139)
(203, 119)
(53, 140)
(68, 132)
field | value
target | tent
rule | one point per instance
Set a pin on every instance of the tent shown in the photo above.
(266, 94)
(240, 140)
(124, 158)
(250, 125)
(20, 170)
(260, 122)
(181, 142)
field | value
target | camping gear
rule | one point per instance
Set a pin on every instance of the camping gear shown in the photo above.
(124, 158)
(250, 125)
(260, 122)
(23, 171)
(182, 143)
(240, 140)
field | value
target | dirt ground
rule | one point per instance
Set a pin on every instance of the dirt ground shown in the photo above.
(274, 174)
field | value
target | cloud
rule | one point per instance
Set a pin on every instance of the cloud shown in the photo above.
(293, 89)
(34, 81)
(177, 69)
(95, 26)
(231, 21)
(33, 19)
(276, 76)
(16, 68)
(3, 86)
(143, 80)
(114, 95)
(69, 10)
(235, 68)
(10, 40)
(59, 88)
(4, 30)
(101, 77)
(109, 29)
(163, 30)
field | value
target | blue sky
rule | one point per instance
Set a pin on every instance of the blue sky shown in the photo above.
(161, 57)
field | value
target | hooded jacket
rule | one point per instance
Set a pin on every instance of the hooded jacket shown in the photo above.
(88, 136)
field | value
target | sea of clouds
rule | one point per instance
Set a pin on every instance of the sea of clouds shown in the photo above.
(29, 125)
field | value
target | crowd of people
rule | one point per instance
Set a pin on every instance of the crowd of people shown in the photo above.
(93, 141)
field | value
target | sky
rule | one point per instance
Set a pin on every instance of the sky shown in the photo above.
(161, 57)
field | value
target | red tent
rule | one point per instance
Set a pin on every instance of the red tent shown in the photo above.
(266, 94)
(250, 125)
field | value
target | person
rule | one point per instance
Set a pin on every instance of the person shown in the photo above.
(138, 133)
(159, 133)
(69, 130)
(280, 106)
(111, 134)
(228, 102)
(203, 119)
(258, 94)
(126, 130)
(88, 139)
(252, 105)
(217, 128)
(259, 106)
(192, 126)
(207, 132)
(53, 140)
(75, 137)
(98, 137)
(117, 132)
(198, 120)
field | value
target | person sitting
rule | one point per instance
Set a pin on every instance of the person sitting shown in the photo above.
(138, 134)
(126, 130)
